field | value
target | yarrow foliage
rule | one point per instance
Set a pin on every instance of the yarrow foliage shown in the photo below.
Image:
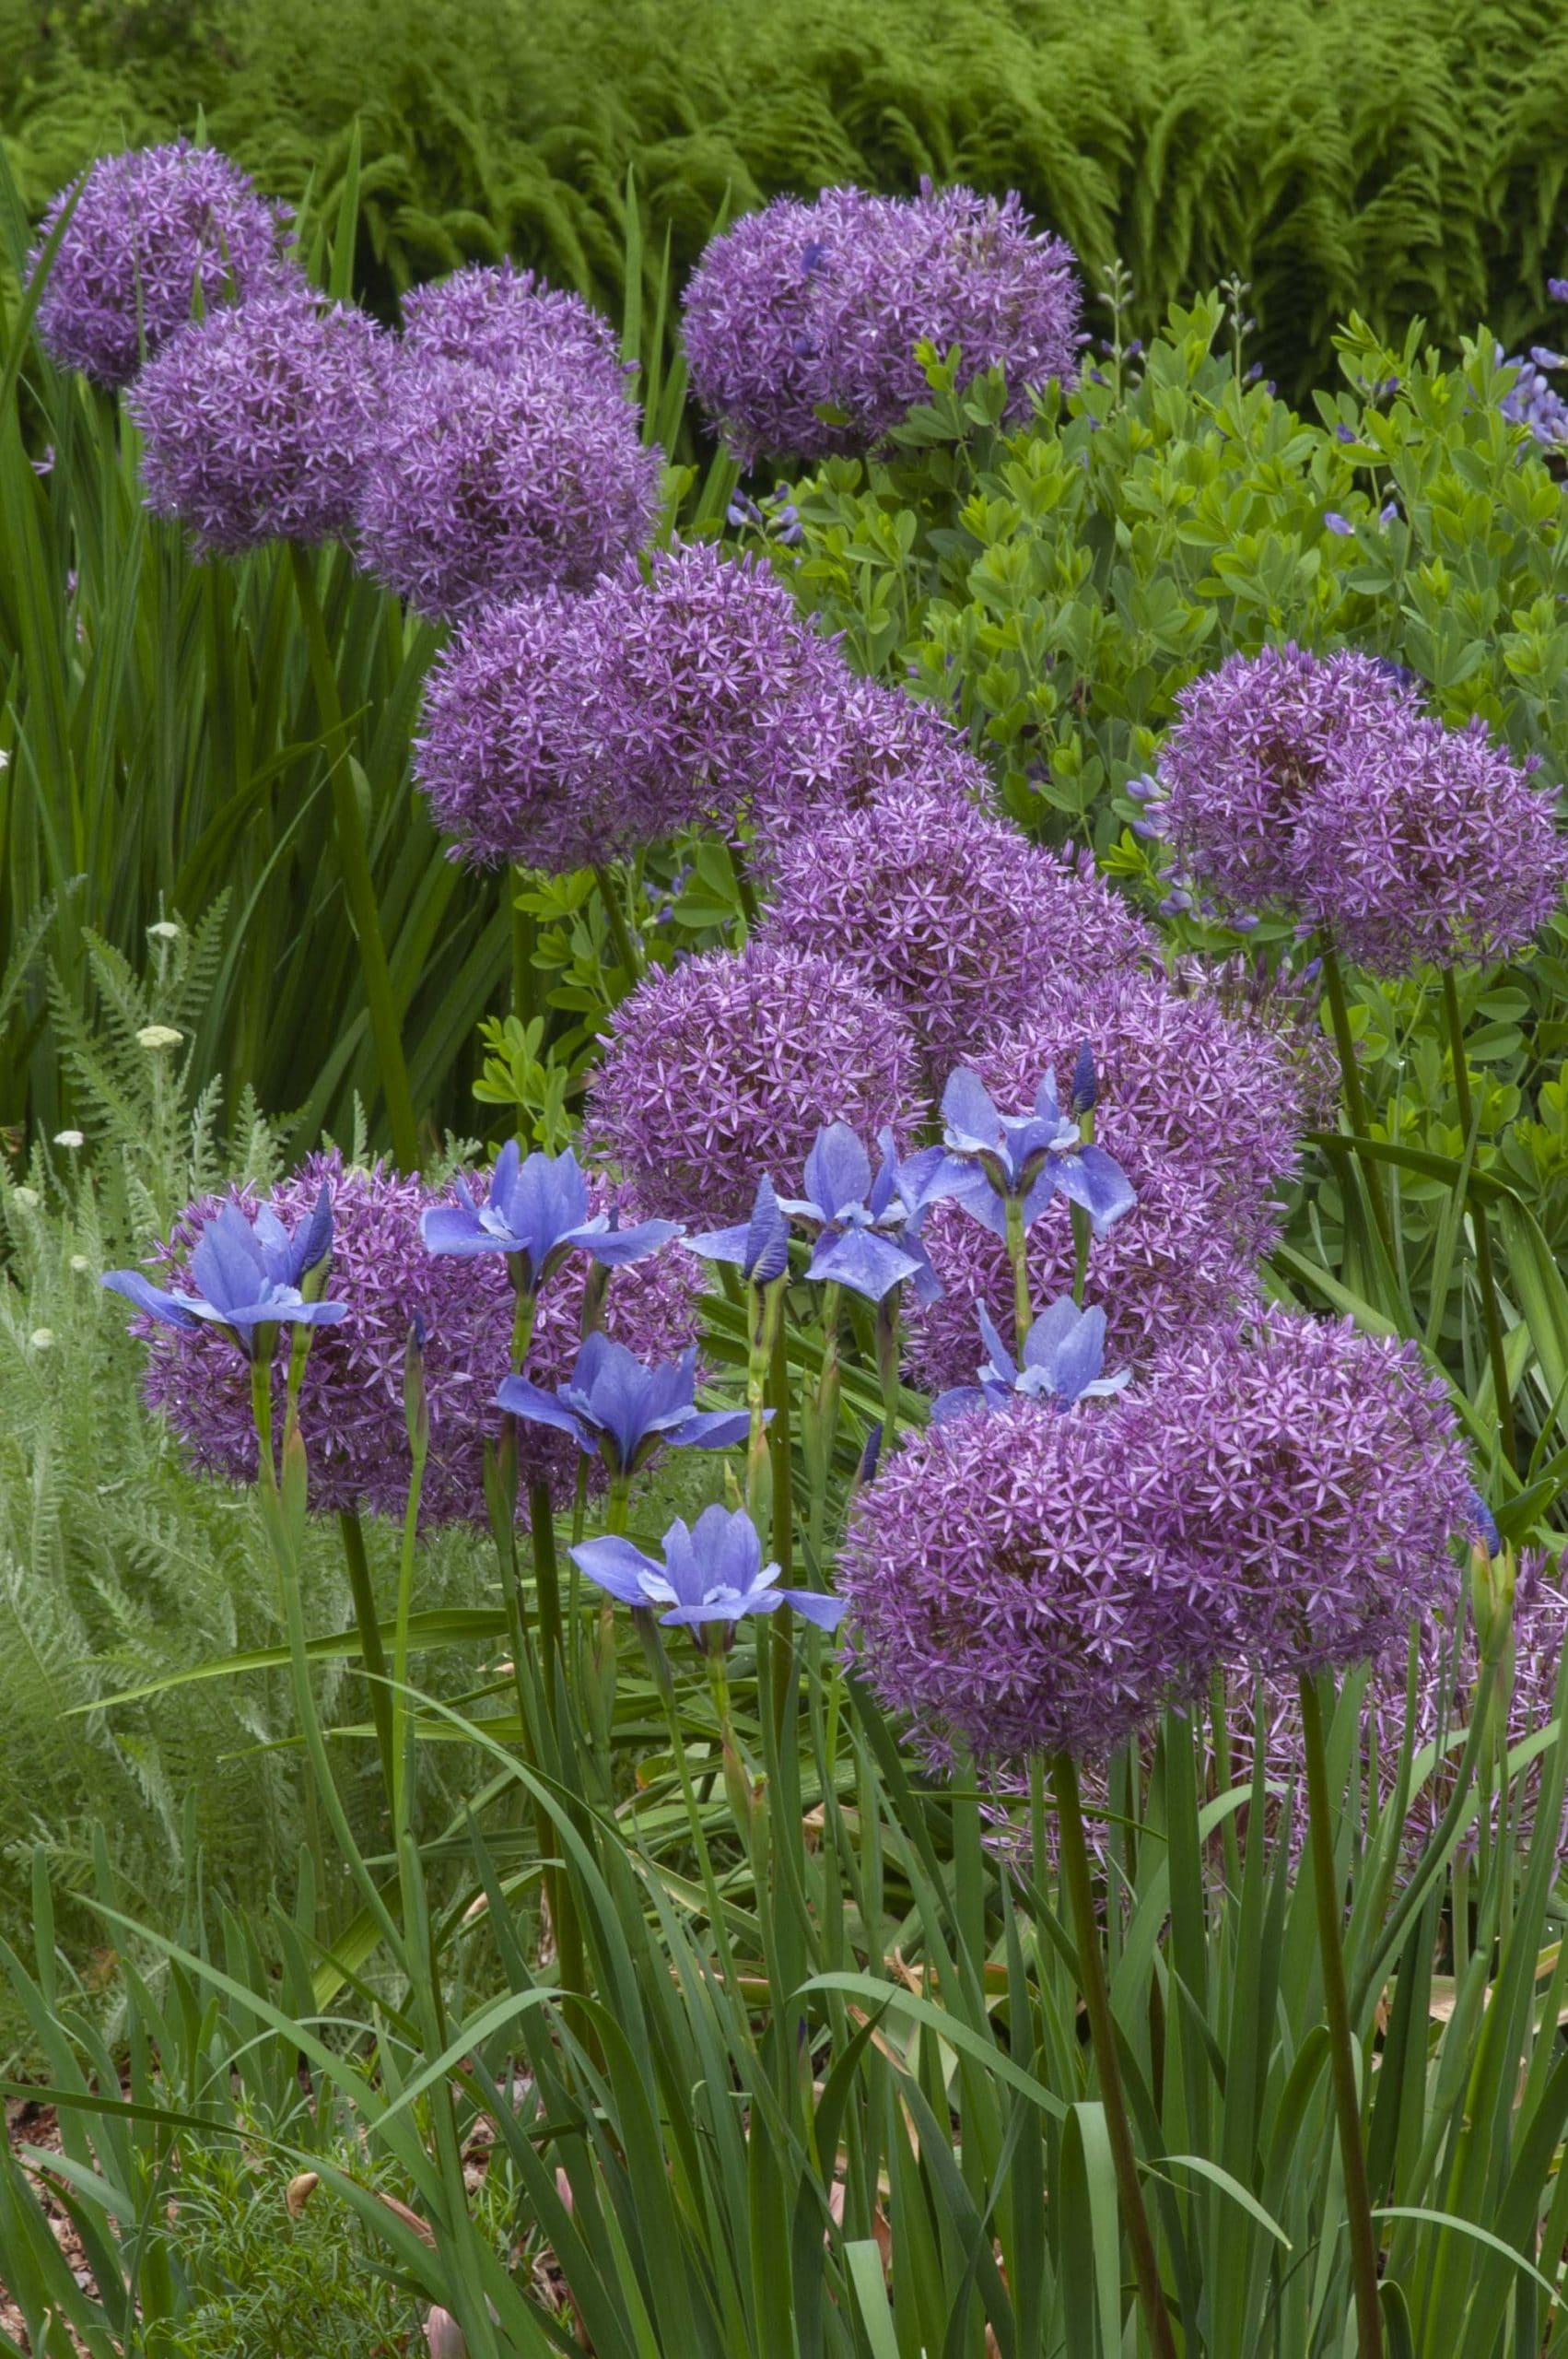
(351, 1406)
(1312, 1477)
(152, 230)
(726, 1067)
(1323, 787)
(1199, 1112)
(1002, 1593)
(486, 484)
(953, 916)
(258, 419)
(807, 308)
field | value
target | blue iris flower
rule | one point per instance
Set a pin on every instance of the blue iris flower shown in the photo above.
(250, 1273)
(759, 1247)
(992, 1157)
(852, 1217)
(537, 1211)
(1064, 1353)
(618, 1407)
(711, 1572)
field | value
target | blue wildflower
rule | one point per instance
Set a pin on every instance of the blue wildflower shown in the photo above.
(616, 1406)
(993, 1158)
(1064, 1353)
(711, 1572)
(250, 1273)
(537, 1211)
(759, 1247)
(850, 1250)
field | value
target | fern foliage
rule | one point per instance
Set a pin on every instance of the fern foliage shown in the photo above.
(1396, 157)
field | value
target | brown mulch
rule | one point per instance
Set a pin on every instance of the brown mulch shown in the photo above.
(28, 2124)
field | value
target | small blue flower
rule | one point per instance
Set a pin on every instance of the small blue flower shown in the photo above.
(850, 1248)
(1064, 1353)
(711, 1572)
(537, 1211)
(1558, 289)
(616, 1405)
(250, 1274)
(759, 1247)
(992, 1157)
(1485, 1525)
(1335, 523)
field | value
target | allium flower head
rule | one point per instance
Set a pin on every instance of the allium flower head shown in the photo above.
(1442, 850)
(1313, 1477)
(953, 916)
(1325, 787)
(351, 1409)
(250, 1270)
(840, 743)
(485, 486)
(1199, 1112)
(1003, 1593)
(711, 1572)
(503, 317)
(258, 419)
(560, 731)
(728, 1065)
(802, 323)
(153, 229)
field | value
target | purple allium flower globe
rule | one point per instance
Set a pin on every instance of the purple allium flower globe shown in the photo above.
(1325, 787)
(1442, 850)
(258, 419)
(1201, 1114)
(807, 308)
(1251, 742)
(1003, 1595)
(560, 731)
(487, 485)
(500, 756)
(500, 316)
(351, 1405)
(841, 742)
(954, 917)
(725, 1067)
(150, 227)
(1312, 1477)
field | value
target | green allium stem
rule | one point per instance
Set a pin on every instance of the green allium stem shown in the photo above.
(359, 883)
(1355, 1095)
(626, 951)
(1342, 2046)
(1486, 1275)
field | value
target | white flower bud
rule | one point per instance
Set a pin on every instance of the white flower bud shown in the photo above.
(28, 1198)
(42, 1338)
(70, 1138)
(159, 1036)
(80, 1263)
(164, 930)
